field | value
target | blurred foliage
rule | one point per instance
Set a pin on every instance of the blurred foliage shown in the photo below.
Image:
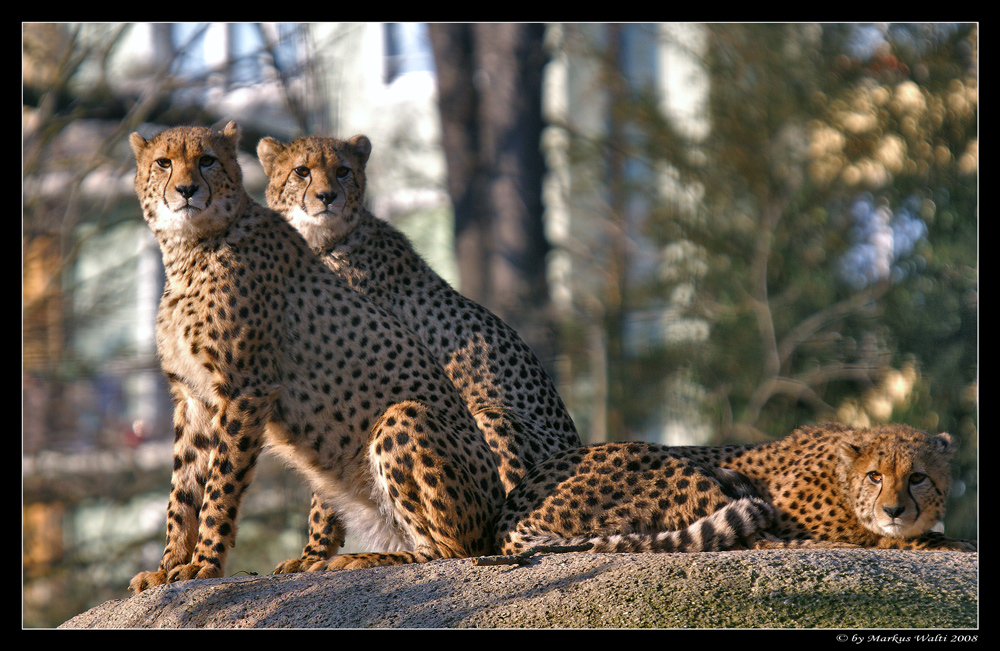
(829, 254)
(848, 154)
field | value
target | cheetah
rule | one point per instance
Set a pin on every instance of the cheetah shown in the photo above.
(636, 497)
(826, 486)
(318, 184)
(264, 347)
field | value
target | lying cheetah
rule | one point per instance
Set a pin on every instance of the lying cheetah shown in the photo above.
(635, 497)
(262, 344)
(829, 486)
(318, 184)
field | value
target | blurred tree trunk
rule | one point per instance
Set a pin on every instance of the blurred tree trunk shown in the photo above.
(616, 304)
(489, 92)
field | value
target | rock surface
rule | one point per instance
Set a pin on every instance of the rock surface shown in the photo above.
(885, 589)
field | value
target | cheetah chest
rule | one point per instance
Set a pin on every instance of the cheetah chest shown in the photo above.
(185, 350)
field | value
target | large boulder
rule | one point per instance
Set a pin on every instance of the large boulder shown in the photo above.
(854, 589)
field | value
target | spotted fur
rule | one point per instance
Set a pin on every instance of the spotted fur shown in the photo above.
(318, 184)
(630, 497)
(828, 486)
(263, 345)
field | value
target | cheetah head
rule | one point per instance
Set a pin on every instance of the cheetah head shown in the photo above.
(898, 479)
(318, 184)
(188, 180)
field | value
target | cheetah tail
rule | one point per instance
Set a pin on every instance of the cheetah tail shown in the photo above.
(735, 526)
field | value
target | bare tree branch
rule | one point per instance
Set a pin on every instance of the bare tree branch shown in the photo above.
(837, 312)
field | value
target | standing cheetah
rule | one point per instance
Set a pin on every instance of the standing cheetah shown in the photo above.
(262, 344)
(318, 184)
(828, 486)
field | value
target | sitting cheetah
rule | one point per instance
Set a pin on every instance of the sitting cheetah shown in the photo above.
(318, 184)
(829, 486)
(263, 345)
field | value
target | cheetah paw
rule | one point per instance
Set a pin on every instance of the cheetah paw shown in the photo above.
(359, 561)
(293, 565)
(342, 562)
(958, 545)
(144, 580)
(193, 571)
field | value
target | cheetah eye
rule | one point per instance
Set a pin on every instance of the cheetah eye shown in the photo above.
(917, 478)
(163, 163)
(875, 477)
(343, 172)
(207, 161)
(301, 172)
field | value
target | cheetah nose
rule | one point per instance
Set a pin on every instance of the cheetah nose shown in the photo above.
(187, 191)
(326, 197)
(893, 511)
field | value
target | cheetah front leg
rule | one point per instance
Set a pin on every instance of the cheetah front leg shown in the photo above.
(192, 419)
(771, 542)
(211, 473)
(931, 540)
(928, 541)
(326, 537)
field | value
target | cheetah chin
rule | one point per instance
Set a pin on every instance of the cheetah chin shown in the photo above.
(314, 228)
(190, 221)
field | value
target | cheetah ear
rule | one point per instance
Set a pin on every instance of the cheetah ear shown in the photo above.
(137, 143)
(849, 452)
(268, 150)
(227, 136)
(362, 147)
(943, 443)
(231, 132)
